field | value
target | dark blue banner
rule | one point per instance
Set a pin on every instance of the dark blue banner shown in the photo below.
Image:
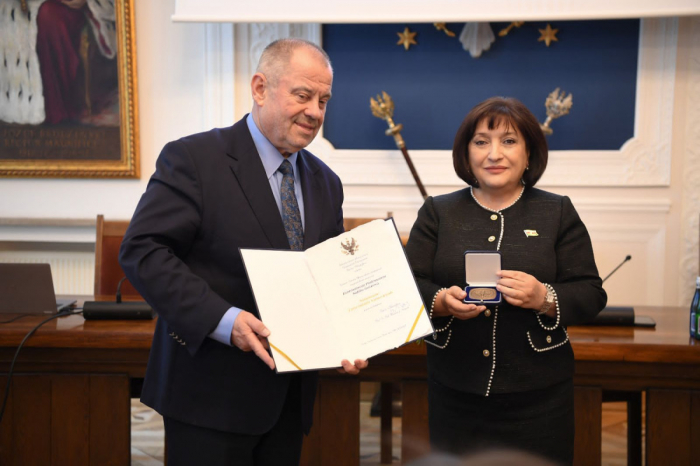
(436, 82)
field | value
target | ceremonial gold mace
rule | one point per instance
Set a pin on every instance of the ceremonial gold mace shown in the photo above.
(383, 107)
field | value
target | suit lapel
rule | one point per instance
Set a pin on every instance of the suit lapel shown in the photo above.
(249, 171)
(313, 208)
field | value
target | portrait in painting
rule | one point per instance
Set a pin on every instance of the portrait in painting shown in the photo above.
(61, 110)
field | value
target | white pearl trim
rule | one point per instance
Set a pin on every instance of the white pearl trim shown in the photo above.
(540, 350)
(493, 352)
(438, 330)
(556, 302)
(499, 212)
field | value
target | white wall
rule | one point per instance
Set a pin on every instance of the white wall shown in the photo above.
(193, 76)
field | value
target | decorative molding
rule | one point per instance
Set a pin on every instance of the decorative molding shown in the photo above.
(219, 90)
(690, 212)
(249, 42)
(404, 209)
(644, 160)
(647, 244)
(417, 11)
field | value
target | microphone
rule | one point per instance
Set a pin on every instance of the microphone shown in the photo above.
(104, 310)
(614, 270)
(621, 315)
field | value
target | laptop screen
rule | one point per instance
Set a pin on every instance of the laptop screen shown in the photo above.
(26, 289)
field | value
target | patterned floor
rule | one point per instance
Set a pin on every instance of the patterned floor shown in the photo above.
(147, 436)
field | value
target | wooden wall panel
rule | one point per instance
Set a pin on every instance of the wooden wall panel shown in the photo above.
(588, 407)
(31, 406)
(415, 431)
(110, 436)
(668, 424)
(70, 420)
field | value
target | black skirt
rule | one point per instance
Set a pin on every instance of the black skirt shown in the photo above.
(537, 421)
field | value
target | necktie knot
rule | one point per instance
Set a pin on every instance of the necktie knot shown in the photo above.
(286, 168)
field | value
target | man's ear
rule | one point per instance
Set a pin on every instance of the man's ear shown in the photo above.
(258, 86)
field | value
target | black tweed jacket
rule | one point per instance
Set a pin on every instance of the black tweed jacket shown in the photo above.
(506, 349)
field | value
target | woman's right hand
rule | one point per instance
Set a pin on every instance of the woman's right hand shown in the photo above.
(449, 303)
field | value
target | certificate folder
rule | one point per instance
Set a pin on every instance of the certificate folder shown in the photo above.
(350, 297)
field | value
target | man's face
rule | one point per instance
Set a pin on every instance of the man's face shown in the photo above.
(290, 111)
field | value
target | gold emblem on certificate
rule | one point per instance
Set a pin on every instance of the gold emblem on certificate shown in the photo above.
(349, 247)
(482, 294)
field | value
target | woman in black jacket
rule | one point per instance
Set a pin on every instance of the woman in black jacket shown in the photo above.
(502, 375)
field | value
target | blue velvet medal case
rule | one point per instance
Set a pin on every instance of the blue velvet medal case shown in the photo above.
(480, 269)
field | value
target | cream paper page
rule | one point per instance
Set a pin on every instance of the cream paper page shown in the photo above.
(369, 290)
(292, 309)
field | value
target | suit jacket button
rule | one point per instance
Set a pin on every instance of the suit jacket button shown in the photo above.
(492, 239)
(549, 339)
(494, 217)
(487, 312)
(487, 353)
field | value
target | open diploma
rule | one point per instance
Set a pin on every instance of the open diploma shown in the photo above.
(350, 297)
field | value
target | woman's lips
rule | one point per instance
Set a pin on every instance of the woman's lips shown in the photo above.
(496, 170)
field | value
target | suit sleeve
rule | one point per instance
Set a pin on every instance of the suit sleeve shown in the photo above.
(578, 286)
(163, 228)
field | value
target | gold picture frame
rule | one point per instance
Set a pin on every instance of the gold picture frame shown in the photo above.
(74, 148)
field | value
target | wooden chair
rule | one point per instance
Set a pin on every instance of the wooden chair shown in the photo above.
(351, 222)
(108, 272)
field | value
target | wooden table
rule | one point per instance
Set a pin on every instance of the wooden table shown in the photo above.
(69, 401)
(663, 362)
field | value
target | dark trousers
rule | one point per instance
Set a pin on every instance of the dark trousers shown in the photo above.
(537, 421)
(281, 446)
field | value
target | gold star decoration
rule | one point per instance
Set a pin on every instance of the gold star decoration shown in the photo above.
(443, 27)
(406, 38)
(549, 35)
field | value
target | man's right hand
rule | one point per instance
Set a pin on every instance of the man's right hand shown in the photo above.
(250, 334)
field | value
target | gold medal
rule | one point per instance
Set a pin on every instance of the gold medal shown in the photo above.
(482, 294)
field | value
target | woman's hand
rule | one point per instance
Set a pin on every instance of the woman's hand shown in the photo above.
(521, 289)
(449, 302)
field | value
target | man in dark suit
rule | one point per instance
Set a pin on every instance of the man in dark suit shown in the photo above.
(253, 186)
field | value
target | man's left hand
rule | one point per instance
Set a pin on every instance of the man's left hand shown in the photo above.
(353, 369)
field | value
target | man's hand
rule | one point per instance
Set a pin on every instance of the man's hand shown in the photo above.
(353, 369)
(250, 334)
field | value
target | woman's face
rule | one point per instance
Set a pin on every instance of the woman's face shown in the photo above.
(498, 157)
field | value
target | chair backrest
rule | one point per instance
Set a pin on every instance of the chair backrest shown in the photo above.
(351, 222)
(108, 272)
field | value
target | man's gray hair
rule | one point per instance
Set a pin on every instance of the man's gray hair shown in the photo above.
(276, 56)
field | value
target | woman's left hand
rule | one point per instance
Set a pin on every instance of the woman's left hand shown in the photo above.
(521, 289)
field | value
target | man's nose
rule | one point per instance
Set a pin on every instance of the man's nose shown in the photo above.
(314, 110)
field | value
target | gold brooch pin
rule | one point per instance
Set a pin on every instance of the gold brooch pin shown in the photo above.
(531, 233)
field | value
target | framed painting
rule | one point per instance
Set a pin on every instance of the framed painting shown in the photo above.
(68, 93)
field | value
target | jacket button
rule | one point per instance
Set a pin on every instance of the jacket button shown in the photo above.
(492, 239)
(487, 312)
(549, 339)
(494, 217)
(487, 353)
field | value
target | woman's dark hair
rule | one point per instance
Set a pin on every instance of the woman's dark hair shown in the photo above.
(496, 111)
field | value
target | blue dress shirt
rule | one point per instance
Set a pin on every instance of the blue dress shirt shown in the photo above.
(271, 160)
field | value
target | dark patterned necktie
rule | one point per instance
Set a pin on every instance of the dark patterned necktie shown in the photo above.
(290, 209)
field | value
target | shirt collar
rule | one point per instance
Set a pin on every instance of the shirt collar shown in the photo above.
(269, 155)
